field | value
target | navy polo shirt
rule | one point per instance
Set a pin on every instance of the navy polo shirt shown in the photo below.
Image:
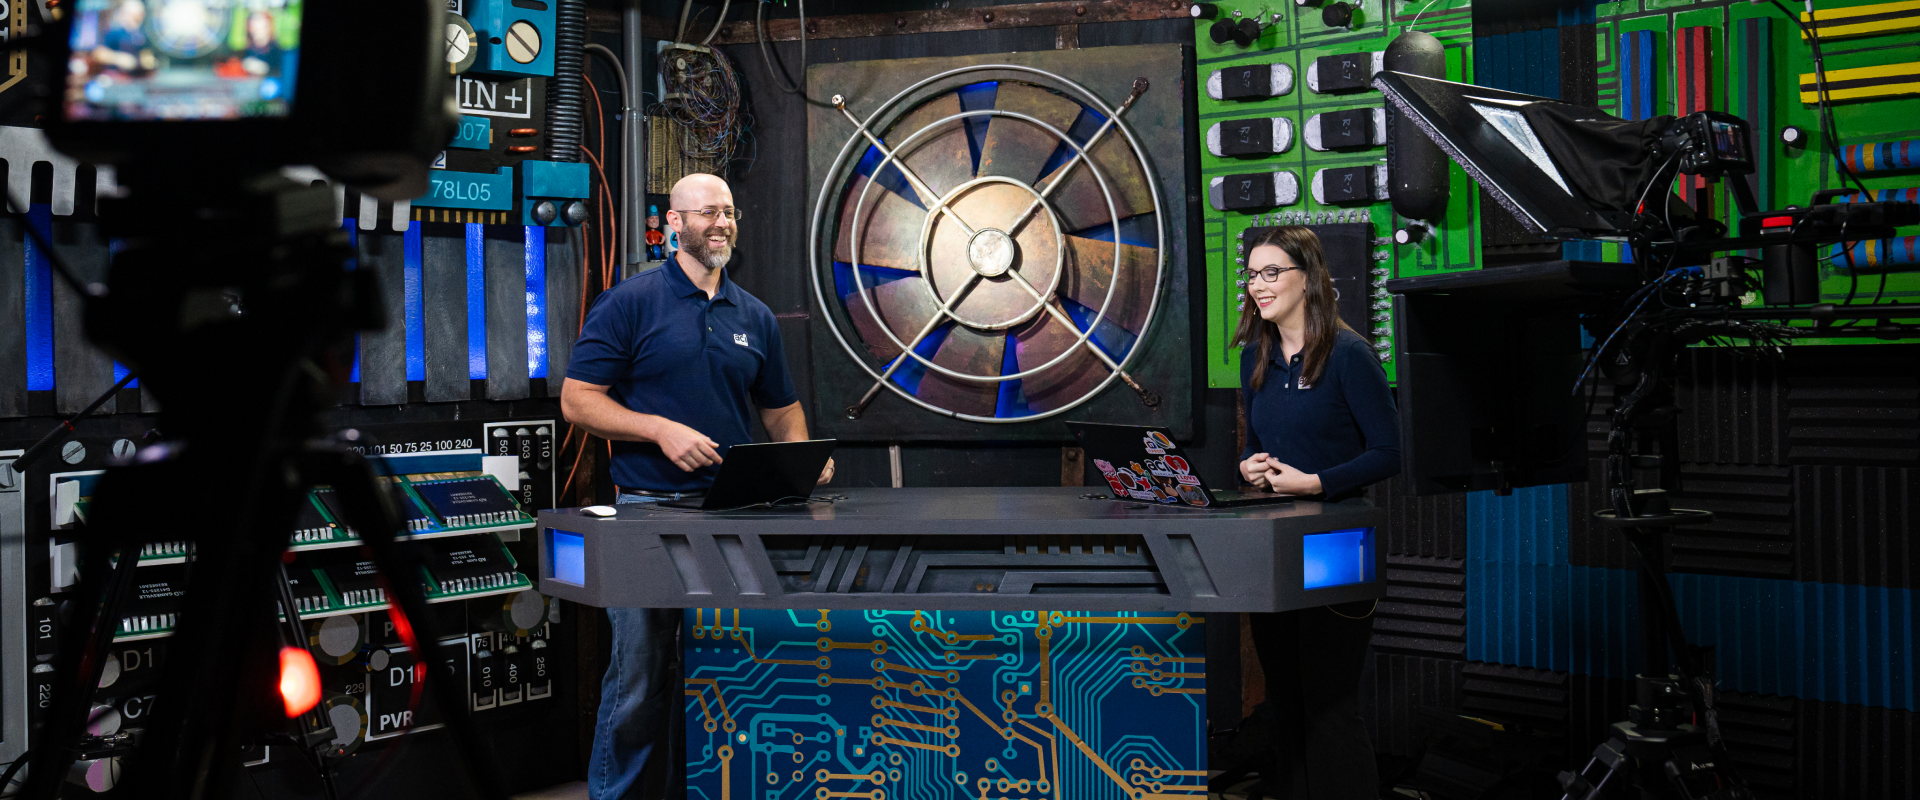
(667, 350)
(1344, 428)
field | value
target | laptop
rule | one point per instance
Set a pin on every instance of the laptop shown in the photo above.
(1141, 463)
(763, 474)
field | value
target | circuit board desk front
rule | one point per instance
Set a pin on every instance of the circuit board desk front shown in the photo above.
(967, 549)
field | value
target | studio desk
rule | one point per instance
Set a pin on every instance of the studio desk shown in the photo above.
(1021, 643)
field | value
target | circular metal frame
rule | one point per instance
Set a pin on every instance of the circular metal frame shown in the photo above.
(1086, 98)
(1113, 213)
(926, 245)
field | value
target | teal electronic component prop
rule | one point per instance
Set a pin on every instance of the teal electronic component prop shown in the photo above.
(474, 133)
(553, 193)
(943, 705)
(516, 36)
(474, 190)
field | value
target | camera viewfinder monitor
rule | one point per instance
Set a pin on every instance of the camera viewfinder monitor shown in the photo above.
(204, 60)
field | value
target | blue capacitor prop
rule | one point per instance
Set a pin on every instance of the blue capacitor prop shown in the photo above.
(1881, 156)
(1879, 255)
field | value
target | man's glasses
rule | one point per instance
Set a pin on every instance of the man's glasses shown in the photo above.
(732, 214)
(1270, 274)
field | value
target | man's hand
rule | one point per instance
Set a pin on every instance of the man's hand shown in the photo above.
(1284, 479)
(826, 474)
(687, 448)
(1254, 469)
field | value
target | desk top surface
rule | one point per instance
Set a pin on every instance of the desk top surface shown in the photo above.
(975, 504)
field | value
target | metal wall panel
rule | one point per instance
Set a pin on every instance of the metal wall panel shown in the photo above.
(443, 289)
(506, 299)
(84, 372)
(563, 302)
(13, 319)
(383, 353)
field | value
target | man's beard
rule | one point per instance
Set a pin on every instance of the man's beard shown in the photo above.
(696, 246)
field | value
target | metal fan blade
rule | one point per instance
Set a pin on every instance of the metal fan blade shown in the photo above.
(994, 301)
(942, 159)
(1037, 343)
(905, 306)
(1079, 201)
(1016, 148)
(888, 229)
(969, 352)
(1090, 270)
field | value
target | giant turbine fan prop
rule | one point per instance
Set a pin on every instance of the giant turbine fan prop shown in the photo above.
(997, 252)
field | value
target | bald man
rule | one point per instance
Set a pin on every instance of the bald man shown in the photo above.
(669, 368)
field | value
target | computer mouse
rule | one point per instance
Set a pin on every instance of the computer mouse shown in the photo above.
(599, 511)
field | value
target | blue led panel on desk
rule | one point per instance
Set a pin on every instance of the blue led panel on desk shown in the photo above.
(567, 552)
(1336, 558)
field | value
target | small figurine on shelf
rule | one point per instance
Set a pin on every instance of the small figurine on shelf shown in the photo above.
(673, 243)
(655, 240)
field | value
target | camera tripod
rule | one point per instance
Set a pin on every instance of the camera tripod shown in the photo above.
(233, 303)
(1670, 745)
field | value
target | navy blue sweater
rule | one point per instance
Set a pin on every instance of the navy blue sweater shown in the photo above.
(1344, 428)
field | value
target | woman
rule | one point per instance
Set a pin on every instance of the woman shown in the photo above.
(1320, 423)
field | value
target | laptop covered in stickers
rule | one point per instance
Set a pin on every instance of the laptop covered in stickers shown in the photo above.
(1141, 463)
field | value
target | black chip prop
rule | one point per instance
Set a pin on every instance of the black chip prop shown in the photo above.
(470, 564)
(155, 601)
(358, 583)
(1247, 137)
(1251, 82)
(1253, 190)
(466, 502)
(1348, 184)
(331, 502)
(1350, 128)
(309, 525)
(308, 595)
(1346, 72)
(408, 508)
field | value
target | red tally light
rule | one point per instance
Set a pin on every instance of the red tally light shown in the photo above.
(1776, 222)
(299, 681)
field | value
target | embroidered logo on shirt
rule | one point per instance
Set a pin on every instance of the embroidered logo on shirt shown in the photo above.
(740, 339)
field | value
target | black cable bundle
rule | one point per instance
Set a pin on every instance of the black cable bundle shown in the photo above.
(565, 92)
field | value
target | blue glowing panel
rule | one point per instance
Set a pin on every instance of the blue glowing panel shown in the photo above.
(416, 316)
(567, 552)
(39, 310)
(1336, 558)
(476, 301)
(943, 705)
(536, 301)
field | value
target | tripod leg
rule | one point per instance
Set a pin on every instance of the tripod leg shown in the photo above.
(369, 511)
(104, 588)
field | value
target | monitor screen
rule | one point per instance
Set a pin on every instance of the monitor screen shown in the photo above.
(1336, 558)
(182, 59)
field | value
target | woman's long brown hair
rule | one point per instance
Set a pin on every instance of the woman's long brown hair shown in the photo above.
(1323, 314)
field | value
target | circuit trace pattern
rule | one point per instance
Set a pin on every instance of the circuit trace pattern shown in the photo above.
(937, 705)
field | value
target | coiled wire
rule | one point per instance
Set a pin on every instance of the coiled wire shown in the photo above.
(566, 127)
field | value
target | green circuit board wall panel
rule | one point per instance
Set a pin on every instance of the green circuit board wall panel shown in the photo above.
(1297, 40)
(1794, 172)
(1756, 71)
(961, 705)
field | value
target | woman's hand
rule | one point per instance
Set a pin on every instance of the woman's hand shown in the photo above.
(1284, 479)
(1254, 469)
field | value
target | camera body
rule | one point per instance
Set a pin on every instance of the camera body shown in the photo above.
(357, 88)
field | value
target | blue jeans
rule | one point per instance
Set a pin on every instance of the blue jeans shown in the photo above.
(633, 695)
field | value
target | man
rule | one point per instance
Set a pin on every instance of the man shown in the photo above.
(666, 366)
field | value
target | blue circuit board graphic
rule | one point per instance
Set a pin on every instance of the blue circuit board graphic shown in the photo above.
(944, 705)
